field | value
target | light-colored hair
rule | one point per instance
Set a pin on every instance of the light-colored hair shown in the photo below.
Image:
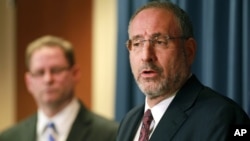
(182, 17)
(50, 41)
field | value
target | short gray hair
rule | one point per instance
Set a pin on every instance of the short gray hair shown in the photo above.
(185, 23)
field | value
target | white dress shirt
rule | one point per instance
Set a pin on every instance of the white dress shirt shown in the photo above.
(63, 122)
(157, 112)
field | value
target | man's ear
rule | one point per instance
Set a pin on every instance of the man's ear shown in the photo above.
(128, 45)
(76, 72)
(190, 47)
(27, 79)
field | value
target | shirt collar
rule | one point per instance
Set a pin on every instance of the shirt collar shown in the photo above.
(159, 109)
(62, 120)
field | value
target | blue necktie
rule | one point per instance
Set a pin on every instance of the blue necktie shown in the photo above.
(52, 130)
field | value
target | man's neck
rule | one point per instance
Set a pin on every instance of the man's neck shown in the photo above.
(52, 110)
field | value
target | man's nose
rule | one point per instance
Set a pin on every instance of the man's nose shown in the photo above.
(48, 76)
(148, 52)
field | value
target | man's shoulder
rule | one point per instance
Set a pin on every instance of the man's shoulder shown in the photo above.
(99, 120)
(213, 104)
(132, 115)
(94, 119)
(19, 129)
(94, 124)
(207, 97)
(135, 110)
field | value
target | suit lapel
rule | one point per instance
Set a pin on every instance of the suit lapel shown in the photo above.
(168, 125)
(32, 127)
(134, 122)
(78, 131)
(177, 112)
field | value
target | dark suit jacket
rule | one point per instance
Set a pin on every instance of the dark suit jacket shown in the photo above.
(87, 127)
(197, 113)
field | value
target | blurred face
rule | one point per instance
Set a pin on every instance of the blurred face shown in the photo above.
(50, 79)
(160, 58)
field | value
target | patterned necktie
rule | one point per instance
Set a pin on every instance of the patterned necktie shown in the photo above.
(52, 131)
(145, 129)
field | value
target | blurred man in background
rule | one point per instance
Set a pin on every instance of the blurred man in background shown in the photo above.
(51, 77)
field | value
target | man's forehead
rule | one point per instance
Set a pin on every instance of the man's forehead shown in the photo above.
(153, 21)
(42, 58)
(139, 36)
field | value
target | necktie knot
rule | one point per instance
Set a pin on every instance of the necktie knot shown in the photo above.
(148, 117)
(51, 125)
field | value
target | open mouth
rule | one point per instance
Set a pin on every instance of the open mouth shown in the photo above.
(148, 73)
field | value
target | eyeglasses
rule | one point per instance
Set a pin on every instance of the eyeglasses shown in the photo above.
(53, 71)
(157, 42)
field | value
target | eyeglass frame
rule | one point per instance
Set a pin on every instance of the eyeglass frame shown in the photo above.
(53, 71)
(152, 41)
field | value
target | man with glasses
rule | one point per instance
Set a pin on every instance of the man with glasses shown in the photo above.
(177, 106)
(51, 77)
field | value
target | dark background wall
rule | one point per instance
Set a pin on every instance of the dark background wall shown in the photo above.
(69, 19)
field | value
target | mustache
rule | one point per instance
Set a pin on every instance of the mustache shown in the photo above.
(150, 66)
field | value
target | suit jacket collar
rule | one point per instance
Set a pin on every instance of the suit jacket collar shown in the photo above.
(78, 130)
(131, 124)
(177, 112)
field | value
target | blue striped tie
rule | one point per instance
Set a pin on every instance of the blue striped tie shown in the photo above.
(51, 128)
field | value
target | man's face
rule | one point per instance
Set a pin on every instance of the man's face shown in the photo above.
(158, 67)
(50, 78)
